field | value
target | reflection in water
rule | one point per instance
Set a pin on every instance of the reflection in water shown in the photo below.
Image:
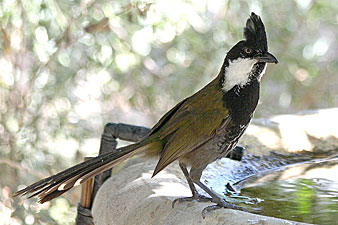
(304, 200)
(299, 186)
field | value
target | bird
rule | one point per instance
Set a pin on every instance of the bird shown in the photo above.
(199, 130)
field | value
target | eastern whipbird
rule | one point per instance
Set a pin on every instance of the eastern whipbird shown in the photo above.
(197, 131)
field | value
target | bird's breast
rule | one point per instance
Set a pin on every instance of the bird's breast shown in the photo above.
(242, 101)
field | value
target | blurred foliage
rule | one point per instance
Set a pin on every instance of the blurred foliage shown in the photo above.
(69, 67)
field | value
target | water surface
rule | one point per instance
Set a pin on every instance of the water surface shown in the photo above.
(304, 200)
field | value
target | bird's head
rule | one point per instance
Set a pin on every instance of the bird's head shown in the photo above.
(248, 58)
(255, 45)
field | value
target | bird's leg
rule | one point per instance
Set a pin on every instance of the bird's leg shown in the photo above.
(195, 195)
(194, 178)
(195, 175)
(187, 177)
(221, 203)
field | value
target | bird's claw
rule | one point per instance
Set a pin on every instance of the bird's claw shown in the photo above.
(220, 205)
(197, 197)
(201, 198)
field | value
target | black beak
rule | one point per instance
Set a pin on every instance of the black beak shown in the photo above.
(267, 58)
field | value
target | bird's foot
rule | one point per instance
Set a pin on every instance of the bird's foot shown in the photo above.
(227, 202)
(234, 197)
(222, 204)
(196, 197)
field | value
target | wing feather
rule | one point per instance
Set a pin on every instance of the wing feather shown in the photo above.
(194, 122)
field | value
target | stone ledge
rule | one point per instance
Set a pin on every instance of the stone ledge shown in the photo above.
(132, 197)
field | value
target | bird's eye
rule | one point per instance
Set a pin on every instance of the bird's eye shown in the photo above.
(247, 50)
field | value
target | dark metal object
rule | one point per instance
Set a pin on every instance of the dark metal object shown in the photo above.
(126, 132)
(111, 132)
(108, 143)
(84, 216)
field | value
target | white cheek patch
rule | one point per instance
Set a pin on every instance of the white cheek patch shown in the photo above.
(262, 73)
(237, 73)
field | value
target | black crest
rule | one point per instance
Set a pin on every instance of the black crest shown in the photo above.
(254, 32)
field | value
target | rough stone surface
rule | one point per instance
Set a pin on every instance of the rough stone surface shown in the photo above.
(132, 197)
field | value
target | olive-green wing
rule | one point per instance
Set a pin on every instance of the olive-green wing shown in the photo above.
(166, 117)
(193, 123)
(188, 137)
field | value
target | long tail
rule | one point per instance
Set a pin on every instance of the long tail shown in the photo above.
(54, 186)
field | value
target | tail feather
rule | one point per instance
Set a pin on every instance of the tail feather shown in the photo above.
(106, 167)
(54, 186)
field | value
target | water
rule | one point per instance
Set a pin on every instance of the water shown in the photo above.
(299, 187)
(304, 200)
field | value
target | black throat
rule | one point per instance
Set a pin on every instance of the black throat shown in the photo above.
(242, 101)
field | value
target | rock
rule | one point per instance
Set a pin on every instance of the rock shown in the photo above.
(132, 197)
